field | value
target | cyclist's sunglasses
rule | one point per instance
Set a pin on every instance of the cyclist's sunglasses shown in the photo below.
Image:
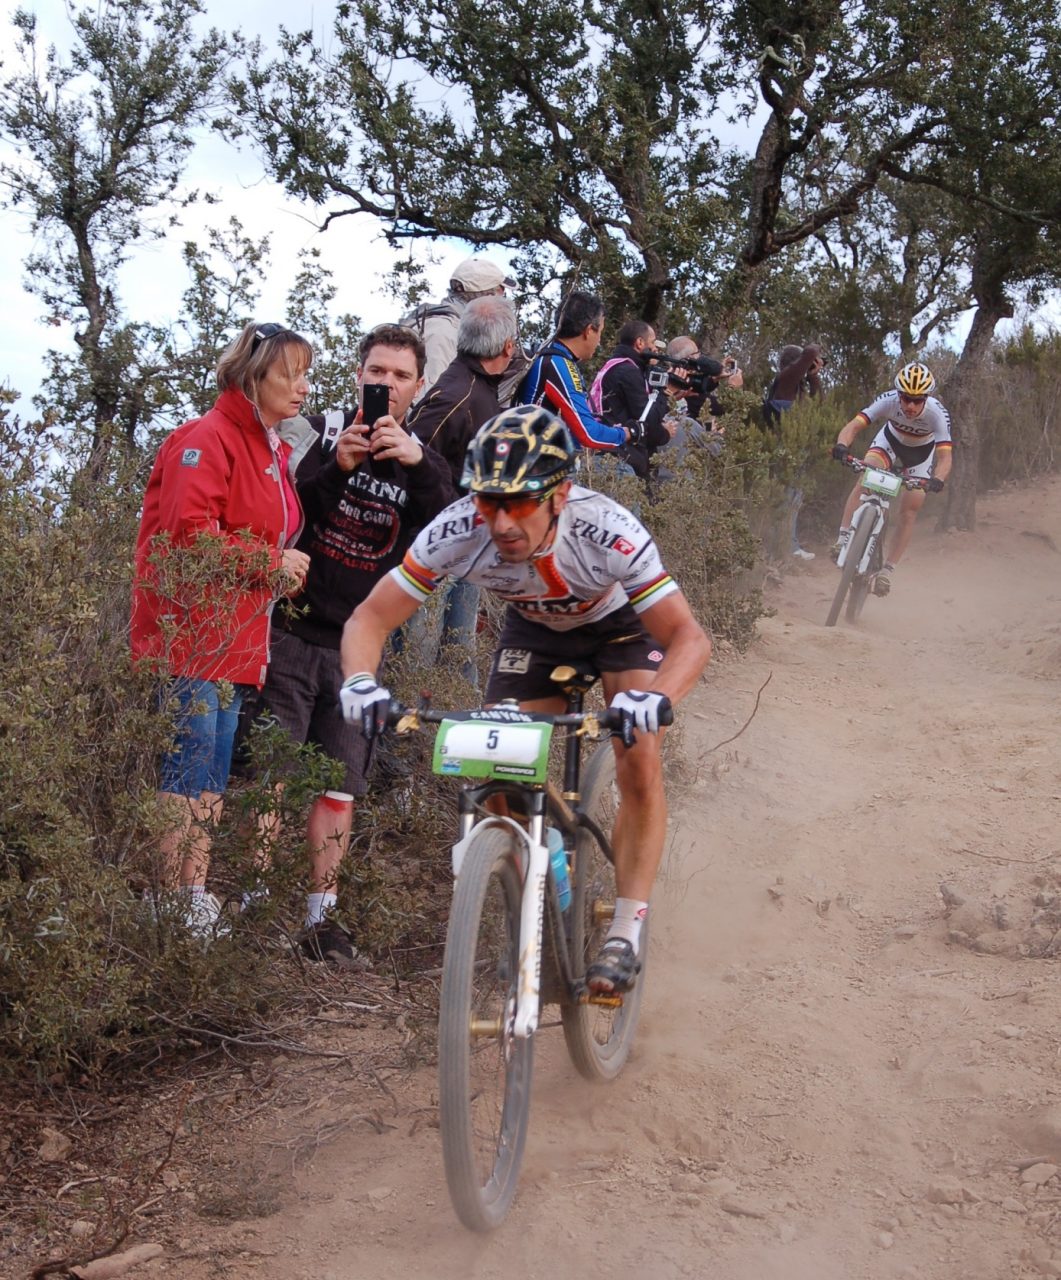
(518, 507)
(912, 399)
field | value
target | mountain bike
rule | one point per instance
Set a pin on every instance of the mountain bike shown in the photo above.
(861, 558)
(511, 948)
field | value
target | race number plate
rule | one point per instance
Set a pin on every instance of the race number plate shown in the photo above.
(481, 749)
(885, 482)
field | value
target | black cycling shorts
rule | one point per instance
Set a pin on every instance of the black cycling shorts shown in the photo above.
(527, 653)
(909, 455)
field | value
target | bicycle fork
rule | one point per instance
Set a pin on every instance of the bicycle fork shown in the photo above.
(534, 866)
(878, 526)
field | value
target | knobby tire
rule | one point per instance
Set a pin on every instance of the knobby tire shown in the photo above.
(856, 548)
(598, 1038)
(484, 1080)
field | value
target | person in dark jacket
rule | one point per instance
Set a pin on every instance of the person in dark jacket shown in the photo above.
(446, 419)
(623, 394)
(798, 375)
(366, 489)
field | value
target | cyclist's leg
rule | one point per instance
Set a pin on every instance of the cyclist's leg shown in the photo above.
(917, 465)
(903, 528)
(641, 822)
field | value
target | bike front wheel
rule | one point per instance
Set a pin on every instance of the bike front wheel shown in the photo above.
(856, 549)
(484, 1071)
(598, 1036)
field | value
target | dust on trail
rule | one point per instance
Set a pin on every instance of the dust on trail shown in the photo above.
(840, 1074)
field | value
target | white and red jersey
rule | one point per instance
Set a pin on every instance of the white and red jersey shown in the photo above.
(600, 557)
(930, 426)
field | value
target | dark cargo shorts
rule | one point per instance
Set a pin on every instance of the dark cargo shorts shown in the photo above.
(301, 693)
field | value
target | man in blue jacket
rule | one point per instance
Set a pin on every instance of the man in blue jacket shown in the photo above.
(554, 379)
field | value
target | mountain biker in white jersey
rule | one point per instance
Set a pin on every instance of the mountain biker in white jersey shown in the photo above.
(914, 439)
(583, 581)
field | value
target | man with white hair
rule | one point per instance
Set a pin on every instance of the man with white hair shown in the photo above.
(437, 322)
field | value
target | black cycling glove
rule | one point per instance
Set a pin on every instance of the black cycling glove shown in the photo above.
(841, 452)
(934, 485)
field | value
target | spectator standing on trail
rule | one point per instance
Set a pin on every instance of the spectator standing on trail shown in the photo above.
(464, 397)
(366, 489)
(620, 396)
(437, 323)
(221, 482)
(798, 376)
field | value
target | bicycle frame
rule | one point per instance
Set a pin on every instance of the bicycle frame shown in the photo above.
(880, 507)
(535, 860)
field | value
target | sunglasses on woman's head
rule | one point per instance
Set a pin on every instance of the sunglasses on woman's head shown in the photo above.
(264, 331)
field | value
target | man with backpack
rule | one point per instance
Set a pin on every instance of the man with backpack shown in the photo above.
(620, 395)
(437, 322)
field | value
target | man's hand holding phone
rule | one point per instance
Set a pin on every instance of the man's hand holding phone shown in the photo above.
(389, 440)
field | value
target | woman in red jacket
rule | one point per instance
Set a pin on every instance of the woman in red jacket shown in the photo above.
(214, 553)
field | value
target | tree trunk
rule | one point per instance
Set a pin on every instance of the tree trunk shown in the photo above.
(963, 391)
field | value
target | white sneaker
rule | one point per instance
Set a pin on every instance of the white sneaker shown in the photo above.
(204, 918)
(800, 554)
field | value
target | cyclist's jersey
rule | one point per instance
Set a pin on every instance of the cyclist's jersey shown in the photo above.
(600, 558)
(931, 426)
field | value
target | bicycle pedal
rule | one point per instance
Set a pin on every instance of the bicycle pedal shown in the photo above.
(609, 1002)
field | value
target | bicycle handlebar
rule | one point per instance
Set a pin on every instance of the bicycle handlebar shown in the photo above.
(610, 720)
(909, 482)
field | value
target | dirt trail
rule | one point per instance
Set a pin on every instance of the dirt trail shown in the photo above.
(839, 1075)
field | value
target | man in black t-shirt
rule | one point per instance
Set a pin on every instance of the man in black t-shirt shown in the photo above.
(365, 491)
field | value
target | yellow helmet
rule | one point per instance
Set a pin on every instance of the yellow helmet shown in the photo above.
(522, 450)
(915, 380)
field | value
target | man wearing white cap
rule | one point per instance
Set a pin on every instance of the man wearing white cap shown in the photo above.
(438, 322)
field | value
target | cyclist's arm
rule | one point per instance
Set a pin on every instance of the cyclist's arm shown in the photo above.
(385, 608)
(686, 646)
(942, 460)
(851, 429)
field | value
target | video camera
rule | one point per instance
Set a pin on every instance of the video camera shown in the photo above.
(702, 372)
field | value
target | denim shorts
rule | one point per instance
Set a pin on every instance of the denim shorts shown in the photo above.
(205, 732)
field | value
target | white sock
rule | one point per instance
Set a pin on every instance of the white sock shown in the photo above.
(317, 906)
(193, 891)
(627, 921)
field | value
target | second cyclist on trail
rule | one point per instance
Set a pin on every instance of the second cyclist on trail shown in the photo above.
(584, 582)
(913, 438)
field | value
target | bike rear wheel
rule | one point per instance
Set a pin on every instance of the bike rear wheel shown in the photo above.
(599, 1037)
(856, 549)
(484, 1071)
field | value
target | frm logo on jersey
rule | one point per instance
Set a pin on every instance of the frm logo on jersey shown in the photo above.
(602, 537)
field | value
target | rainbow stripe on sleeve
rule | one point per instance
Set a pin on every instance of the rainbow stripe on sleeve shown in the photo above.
(651, 591)
(414, 578)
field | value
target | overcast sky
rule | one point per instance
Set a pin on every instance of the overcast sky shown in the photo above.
(154, 279)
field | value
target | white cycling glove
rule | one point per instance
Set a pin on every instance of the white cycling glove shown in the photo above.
(365, 703)
(643, 710)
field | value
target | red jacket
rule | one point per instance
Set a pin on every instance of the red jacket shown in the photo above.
(207, 615)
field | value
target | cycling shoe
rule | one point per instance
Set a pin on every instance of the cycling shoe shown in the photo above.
(615, 968)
